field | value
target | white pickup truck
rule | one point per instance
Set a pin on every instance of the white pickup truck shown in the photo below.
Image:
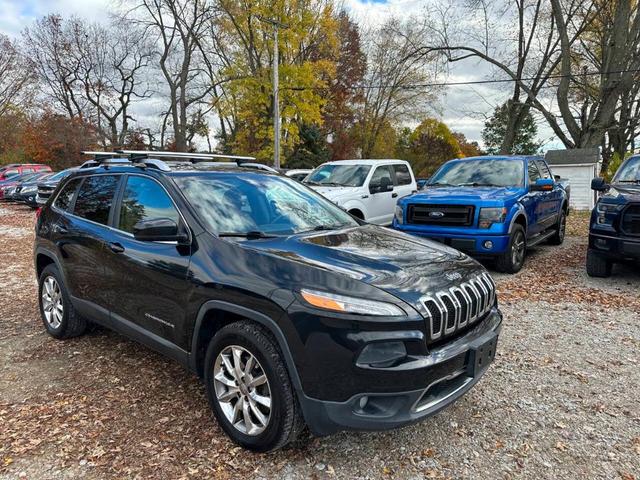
(368, 189)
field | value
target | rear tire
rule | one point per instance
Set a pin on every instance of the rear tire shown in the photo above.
(239, 406)
(597, 265)
(512, 260)
(60, 318)
(558, 236)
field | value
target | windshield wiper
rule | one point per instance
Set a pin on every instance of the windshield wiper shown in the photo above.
(478, 184)
(439, 184)
(628, 181)
(251, 235)
(320, 228)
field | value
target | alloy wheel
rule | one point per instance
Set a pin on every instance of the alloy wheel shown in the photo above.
(242, 390)
(52, 305)
(518, 249)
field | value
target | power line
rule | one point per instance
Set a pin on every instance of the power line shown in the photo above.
(472, 82)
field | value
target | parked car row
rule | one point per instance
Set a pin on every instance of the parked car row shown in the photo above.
(30, 188)
(490, 207)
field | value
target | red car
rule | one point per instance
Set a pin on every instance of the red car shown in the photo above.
(15, 169)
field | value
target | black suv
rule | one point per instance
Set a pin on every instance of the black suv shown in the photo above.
(614, 234)
(290, 309)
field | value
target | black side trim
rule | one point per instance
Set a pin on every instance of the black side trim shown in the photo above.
(131, 330)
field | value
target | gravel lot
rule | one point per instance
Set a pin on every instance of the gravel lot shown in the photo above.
(561, 400)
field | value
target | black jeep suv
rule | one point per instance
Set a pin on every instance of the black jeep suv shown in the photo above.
(614, 234)
(291, 310)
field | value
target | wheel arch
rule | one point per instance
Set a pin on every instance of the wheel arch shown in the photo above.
(214, 314)
(519, 218)
(44, 257)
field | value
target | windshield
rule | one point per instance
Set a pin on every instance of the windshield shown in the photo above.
(339, 175)
(629, 171)
(481, 172)
(232, 203)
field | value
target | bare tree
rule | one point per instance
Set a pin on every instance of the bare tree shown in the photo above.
(48, 47)
(90, 71)
(15, 76)
(530, 54)
(393, 88)
(113, 65)
(181, 29)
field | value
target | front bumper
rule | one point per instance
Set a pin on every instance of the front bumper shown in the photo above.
(440, 378)
(618, 248)
(474, 244)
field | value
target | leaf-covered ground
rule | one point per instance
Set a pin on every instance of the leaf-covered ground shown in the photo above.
(561, 400)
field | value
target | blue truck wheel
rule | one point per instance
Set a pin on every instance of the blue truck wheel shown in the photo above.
(512, 260)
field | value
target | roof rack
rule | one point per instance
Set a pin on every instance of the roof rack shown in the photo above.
(147, 158)
(193, 157)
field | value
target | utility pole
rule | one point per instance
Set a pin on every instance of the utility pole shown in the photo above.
(276, 101)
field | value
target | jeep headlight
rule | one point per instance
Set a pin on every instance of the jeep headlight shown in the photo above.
(489, 216)
(344, 304)
(399, 215)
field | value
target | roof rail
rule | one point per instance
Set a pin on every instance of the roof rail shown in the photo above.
(193, 157)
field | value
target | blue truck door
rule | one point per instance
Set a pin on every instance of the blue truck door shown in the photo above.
(551, 201)
(532, 200)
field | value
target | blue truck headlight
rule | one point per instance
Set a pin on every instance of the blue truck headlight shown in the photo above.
(399, 216)
(489, 216)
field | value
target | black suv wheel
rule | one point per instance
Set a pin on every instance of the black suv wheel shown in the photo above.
(249, 388)
(512, 260)
(597, 266)
(58, 315)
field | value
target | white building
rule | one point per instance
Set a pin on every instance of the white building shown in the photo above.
(579, 166)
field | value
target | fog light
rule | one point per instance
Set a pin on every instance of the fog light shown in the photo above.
(382, 354)
(488, 244)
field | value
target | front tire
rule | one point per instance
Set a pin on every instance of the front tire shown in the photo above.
(598, 266)
(58, 314)
(249, 388)
(512, 260)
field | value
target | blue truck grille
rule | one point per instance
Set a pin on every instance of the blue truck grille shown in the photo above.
(451, 311)
(631, 220)
(444, 215)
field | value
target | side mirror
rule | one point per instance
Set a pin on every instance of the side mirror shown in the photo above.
(599, 184)
(543, 185)
(557, 178)
(158, 230)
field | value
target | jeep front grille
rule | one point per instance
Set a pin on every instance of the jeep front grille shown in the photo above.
(631, 219)
(453, 310)
(443, 215)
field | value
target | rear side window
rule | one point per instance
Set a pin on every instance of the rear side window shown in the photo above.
(403, 177)
(534, 174)
(544, 170)
(144, 199)
(95, 198)
(64, 198)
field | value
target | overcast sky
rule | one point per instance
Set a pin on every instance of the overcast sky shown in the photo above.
(462, 107)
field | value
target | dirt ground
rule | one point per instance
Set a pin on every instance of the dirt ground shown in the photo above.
(561, 400)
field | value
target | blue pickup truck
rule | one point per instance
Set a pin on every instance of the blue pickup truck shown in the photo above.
(493, 206)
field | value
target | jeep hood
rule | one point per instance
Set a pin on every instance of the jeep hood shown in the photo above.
(405, 266)
(465, 194)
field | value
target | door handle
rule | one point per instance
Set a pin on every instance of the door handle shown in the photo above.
(115, 247)
(394, 195)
